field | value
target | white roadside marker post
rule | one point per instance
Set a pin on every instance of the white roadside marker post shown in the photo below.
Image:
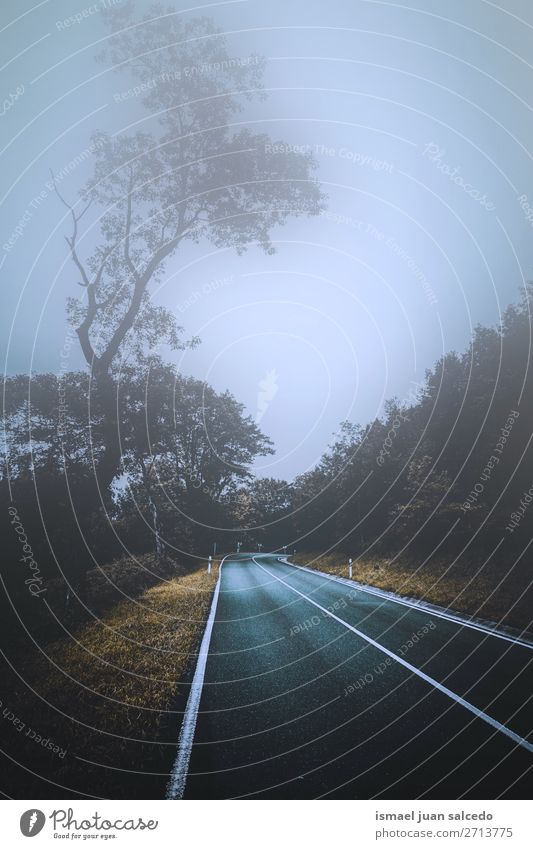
(209, 565)
(350, 567)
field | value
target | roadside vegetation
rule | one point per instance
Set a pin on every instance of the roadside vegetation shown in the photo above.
(434, 499)
(483, 596)
(107, 698)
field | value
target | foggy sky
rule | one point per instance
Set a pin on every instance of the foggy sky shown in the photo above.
(420, 117)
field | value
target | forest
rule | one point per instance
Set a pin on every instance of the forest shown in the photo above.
(197, 153)
(443, 474)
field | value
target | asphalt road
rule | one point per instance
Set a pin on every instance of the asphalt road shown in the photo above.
(311, 688)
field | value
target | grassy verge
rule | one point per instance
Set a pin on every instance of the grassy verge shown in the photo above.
(109, 687)
(493, 594)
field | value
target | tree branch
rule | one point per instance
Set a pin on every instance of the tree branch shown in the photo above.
(127, 256)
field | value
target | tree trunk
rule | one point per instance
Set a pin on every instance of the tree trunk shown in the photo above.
(157, 530)
(108, 465)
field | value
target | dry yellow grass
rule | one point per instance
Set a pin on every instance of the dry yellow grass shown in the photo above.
(118, 676)
(137, 652)
(490, 594)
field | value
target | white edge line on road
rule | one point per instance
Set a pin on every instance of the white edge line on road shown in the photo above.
(415, 605)
(178, 774)
(434, 683)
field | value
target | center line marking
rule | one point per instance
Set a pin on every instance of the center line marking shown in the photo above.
(434, 683)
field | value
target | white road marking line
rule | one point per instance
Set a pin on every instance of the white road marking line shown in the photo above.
(178, 774)
(425, 608)
(434, 683)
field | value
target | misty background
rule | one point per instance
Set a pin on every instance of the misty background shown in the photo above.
(395, 102)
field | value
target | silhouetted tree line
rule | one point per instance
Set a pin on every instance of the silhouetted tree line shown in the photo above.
(185, 449)
(444, 472)
(447, 473)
